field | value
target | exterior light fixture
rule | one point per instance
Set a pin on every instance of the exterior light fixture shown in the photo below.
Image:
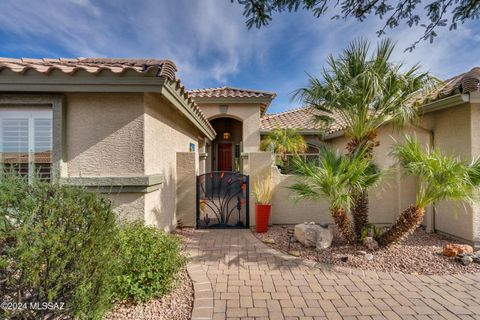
(226, 135)
(223, 108)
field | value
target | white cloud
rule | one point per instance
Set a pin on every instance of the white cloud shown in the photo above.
(209, 42)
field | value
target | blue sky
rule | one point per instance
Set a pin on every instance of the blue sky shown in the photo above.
(209, 42)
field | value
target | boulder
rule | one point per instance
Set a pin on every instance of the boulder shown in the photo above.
(370, 243)
(300, 232)
(324, 238)
(312, 235)
(467, 260)
(453, 250)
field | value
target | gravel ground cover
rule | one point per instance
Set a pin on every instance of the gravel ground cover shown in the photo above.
(421, 253)
(177, 305)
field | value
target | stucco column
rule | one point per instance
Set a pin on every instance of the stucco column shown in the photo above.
(202, 157)
(251, 132)
(259, 167)
(186, 187)
(475, 141)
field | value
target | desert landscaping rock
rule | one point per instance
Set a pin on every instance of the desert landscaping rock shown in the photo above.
(312, 235)
(421, 253)
(467, 260)
(370, 244)
(295, 253)
(324, 238)
(368, 257)
(269, 241)
(453, 250)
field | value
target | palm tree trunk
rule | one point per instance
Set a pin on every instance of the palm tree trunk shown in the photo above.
(343, 224)
(360, 212)
(359, 209)
(406, 224)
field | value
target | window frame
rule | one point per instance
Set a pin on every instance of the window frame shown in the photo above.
(29, 114)
(32, 102)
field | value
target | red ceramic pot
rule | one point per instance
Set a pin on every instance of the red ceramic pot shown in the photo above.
(262, 215)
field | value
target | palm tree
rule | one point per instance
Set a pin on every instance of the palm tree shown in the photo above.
(442, 178)
(283, 142)
(364, 91)
(334, 177)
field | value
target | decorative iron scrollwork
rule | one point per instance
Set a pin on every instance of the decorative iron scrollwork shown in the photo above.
(222, 200)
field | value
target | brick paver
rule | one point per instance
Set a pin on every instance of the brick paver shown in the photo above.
(238, 277)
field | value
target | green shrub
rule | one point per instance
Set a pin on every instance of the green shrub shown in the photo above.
(149, 261)
(57, 245)
(370, 230)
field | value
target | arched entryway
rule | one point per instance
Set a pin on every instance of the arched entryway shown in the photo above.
(226, 148)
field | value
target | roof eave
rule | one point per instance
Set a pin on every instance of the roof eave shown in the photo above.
(445, 103)
(264, 101)
(300, 131)
(110, 84)
(182, 104)
(37, 82)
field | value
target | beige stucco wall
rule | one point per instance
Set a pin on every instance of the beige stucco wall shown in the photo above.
(167, 132)
(455, 133)
(452, 135)
(120, 135)
(186, 188)
(128, 206)
(286, 211)
(248, 114)
(104, 134)
(104, 137)
(475, 141)
(258, 166)
(394, 193)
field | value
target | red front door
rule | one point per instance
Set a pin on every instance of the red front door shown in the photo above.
(224, 156)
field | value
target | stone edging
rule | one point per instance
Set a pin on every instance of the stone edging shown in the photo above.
(203, 293)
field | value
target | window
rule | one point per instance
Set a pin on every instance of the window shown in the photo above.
(26, 142)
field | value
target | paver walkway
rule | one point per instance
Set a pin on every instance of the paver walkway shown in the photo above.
(238, 277)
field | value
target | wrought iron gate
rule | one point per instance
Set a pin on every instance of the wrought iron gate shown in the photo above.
(222, 200)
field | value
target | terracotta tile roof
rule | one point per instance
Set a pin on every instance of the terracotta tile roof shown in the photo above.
(39, 157)
(299, 119)
(230, 92)
(147, 67)
(162, 68)
(463, 83)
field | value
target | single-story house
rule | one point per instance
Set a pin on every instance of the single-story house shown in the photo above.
(129, 129)
(126, 128)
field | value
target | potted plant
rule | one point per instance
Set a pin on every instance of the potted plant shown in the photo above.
(262, 191)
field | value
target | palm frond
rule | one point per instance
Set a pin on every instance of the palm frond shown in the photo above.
(334, 177)
(366, 91)
(442, 177)
(284, 141)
